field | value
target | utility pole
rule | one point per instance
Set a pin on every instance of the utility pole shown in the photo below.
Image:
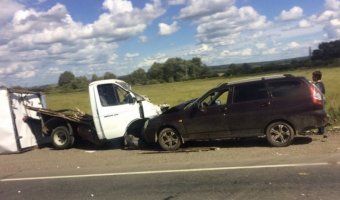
(310, 57)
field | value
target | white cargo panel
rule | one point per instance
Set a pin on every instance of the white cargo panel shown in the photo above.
(15, 133)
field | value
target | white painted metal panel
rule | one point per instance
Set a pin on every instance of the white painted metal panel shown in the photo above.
(8, 142)
(26, 137)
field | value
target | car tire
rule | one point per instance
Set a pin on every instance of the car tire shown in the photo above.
(280, 134)
(169, 139)
(62, 137)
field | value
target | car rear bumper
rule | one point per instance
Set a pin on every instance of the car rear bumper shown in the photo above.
(311, 120)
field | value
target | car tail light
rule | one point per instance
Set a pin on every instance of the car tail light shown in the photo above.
(316, 95)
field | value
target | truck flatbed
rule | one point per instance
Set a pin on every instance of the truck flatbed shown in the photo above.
(76, 116)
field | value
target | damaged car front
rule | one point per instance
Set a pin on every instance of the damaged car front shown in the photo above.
(169, 121)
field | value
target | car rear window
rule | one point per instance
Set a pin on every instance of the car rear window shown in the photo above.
(284, 88)
(250, 92)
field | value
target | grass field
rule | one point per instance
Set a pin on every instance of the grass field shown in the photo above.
(174, 93)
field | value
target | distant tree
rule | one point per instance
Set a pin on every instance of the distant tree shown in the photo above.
(138, 76)
(327, 50)
(156, 72)
(94, 78)
(65, 78)
(109, 75)
(245, 68)
(80, 82)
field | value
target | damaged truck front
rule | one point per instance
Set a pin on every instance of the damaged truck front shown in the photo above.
(116, 110)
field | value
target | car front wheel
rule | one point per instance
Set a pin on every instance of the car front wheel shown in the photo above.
(280, 134)
(169, 139)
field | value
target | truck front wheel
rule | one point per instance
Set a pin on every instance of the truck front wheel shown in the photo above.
(62, 138)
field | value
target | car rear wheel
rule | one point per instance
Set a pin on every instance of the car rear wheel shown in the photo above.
(169, 139)
(62, 138)
(280, 134)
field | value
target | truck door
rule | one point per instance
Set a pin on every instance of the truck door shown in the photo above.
(116, 110)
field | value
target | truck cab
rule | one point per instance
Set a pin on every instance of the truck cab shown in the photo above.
(115, 108)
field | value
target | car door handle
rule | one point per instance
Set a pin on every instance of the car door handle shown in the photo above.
(265, 104)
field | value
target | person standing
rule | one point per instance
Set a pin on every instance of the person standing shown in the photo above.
(316, 76)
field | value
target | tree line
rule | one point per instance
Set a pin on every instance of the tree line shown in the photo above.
(173, 70)
(178, 69)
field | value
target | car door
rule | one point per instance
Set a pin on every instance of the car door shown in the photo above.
(116, 109)
(206, 119)
(248, 111)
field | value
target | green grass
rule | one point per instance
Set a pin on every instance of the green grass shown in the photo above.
(174, 93)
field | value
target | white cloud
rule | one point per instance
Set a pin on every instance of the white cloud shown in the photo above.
(176, 2)
(201, 50)
(270, 51)
(165, 29)
(200, 8)
(293, 45)
(7, 9)
(143, 39)
(326, 16)
(304, 24)
(230, 25)
(130, 56)
(260, 45)
(118, 6)
(247, 52)
(53, 38)
(332, 4)
(147, 62)
(332, 29)
(293, 14)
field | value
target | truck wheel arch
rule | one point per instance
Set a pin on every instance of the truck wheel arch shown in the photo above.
(133, 137)
(136, 126)
(54, 123)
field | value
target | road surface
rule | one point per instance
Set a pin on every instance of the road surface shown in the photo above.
(250, 169)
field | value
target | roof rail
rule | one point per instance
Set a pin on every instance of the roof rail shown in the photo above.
(288, 75)
(262, 78)
(222, 84)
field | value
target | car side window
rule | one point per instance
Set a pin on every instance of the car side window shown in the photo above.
(216, 98)
(250, 92)
(284, 88)
(111, 95)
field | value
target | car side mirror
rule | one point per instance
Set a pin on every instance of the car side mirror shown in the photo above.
(130, 98)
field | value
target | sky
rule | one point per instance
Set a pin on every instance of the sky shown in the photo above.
(40, 39)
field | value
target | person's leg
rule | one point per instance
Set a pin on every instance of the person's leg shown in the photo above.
(321, 130)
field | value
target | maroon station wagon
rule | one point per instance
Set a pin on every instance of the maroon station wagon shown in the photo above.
(276, 107)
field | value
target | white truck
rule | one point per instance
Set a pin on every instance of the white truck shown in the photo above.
(116, 111)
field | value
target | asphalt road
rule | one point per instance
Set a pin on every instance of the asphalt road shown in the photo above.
(321, 181)
(250, 169)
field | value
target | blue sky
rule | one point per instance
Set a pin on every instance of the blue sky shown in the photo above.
(40, 39)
